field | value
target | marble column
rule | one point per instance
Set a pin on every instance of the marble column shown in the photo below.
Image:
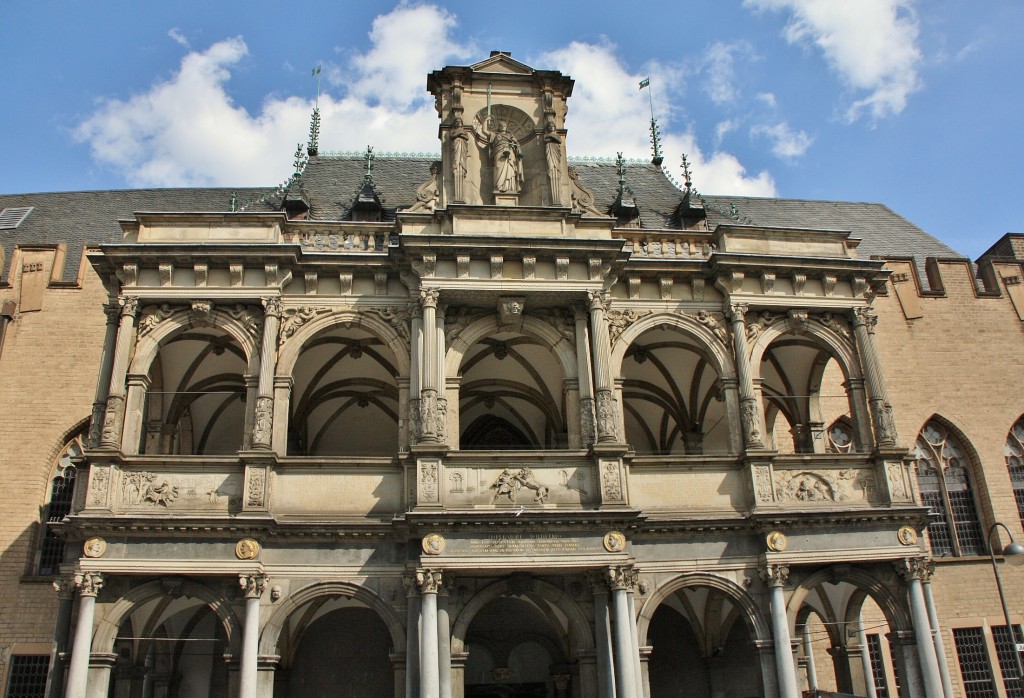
(634, 639)
(253, 586)
(89, 585)
(603, 638)
(812, 670)
(933, 620)
(113, 312)
(913, 571)
(621, 580)
(750, 407)
(416, 373)
(865, 658)
(428, 378)
(113, 417)
(428, 582)
(65, 588)
(588, 420)
(412, 637)
(604, 386)
(263, 419)
(775, 576)
(444, 640)
(864, 321)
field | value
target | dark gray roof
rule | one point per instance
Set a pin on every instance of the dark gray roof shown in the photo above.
(330, 183)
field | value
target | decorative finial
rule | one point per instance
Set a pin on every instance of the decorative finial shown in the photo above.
(234, 202)
(313, 148)
(688, 189)
(300, 160)
(655, 131)
(368, 158)
(620, 168)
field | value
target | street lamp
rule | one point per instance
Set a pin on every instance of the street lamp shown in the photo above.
(1013, 553)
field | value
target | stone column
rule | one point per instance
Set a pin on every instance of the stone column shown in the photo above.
(604, 388)
(634, 639)
(859, 412)
(416, 374)
(113, 417)
(775, 576)
(412, 637)
(812, 672)
(100, 668)
(253, 585)
(913, 572)
(263, 419)
(65, 588)
(933, 620)
(430, 387)
(603, 638)
(621, 580)
(908, 668)
(750, 407)
(444, 640)
(864, 321)
(99, 404)
(588, 423)
(428, 582)
(266, 673)
(441, 407)
(137, 390)
(251, 393)
(848, 665)
(865, 659)
(89, 585)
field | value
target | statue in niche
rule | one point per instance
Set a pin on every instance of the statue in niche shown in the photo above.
(459, 139)
(505, 156)
(553, 152)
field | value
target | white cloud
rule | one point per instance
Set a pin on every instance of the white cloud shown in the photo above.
(871, 44)
(786, 143)
(188, 131)
(720, 71)
(768, 99)
(724, 128)
(178, 37)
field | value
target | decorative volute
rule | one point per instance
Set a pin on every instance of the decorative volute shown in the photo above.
(502, 133)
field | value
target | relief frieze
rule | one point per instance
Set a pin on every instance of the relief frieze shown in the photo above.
(178, 491)
(847, 485)
(521, 486)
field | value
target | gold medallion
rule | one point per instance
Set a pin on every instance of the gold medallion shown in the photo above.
(94, 547)
(614, 542)
(776, 541)
(433, 544)
(247, 549)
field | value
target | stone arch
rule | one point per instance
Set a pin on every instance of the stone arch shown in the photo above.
(107, 629)
(550, 338)
(579, 624)
(292, 347)
(840, 347)
(717, 351)
(891, 602)
(147, 347)
(959, 430)
(755, 621)
(295, 601)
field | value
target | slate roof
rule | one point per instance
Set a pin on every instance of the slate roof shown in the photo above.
(330, 183)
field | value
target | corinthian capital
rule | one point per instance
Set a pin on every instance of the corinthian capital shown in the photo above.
(428, 297)
(865, 316)
(253, 585)
(88, 583)
(918, 568)
(429, 581)
(622, 577)
(775, 575)
(738, 312)
(129, 305)
(597, 300)
(272, 306)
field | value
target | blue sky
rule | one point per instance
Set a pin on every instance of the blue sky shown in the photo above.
(913, 103)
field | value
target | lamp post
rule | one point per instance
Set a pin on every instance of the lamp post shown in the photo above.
(1013, 553)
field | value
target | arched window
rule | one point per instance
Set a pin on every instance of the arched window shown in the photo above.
(1015, 463)
(944, 479)
(61, 493)
(839, 436)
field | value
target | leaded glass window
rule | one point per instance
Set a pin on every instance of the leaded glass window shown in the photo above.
(1015, 463)
(944, 481)
(839, 437)
(62, 490)
(1005, 647)
(974, 665)
(877, 666)
(28, 676)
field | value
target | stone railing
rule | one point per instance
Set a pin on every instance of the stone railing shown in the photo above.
(676, 245)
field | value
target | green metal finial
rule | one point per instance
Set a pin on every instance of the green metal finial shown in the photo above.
(686, 172)
(620, 168)
(368, 157)
(234, 202)
(300, 160)
(313, 148)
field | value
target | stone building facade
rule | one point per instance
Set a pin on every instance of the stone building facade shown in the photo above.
(502, 424)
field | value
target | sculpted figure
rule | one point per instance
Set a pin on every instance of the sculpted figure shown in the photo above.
(505, 156)
(459, 138)
(553, 152)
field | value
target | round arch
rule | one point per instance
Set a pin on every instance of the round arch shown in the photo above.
(892, 605)
(183, 319)
(295, 601)
(579, 625)
(348, 318)
(828, 339)
(707, 340)
(549, 337)
(755, 621)
(108, 628)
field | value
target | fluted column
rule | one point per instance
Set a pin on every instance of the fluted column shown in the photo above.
(89, 585)
(99, 405)
(621, 580)
(588, 423)
(428, 582)
(913, 572)
(113, 417)
(603, 638)
(864, 321)
(253, 585)
(430, 387)
(263, 422)
(775, 576)
(604, 388)
(750, 408)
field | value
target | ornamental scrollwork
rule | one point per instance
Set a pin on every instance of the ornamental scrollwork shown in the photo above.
(620, 320)
(397, 317)
(294, 318)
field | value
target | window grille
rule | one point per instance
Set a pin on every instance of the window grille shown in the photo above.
(877, 666)
(945, 486)
(1015, 463)
(1005, 647)
(62, 491)
(28, 676)
(895, 670)
(974, 665)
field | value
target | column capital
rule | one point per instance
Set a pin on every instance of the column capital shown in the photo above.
(271, 306)
(598, 300)
(88, 583)
(429, 581)
(737, 312)
(579, 312)
(129, 305)
(253, 585)
(865, 316)
(112, 311)
(65, 587)
(622, 577)
(428, 297)
(918, 568)
(775, 575)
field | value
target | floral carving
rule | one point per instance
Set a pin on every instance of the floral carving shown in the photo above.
(763, 483)
(607, 416)
(255, 491)
(98, 486)
(611, 481)
(751, 422)
(559, 318)
(262, 427)
(714, 322)
(834, 323)
(588, 421)
(113, 418)
(428, 480)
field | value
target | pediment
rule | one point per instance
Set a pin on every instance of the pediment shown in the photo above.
(502, 63)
